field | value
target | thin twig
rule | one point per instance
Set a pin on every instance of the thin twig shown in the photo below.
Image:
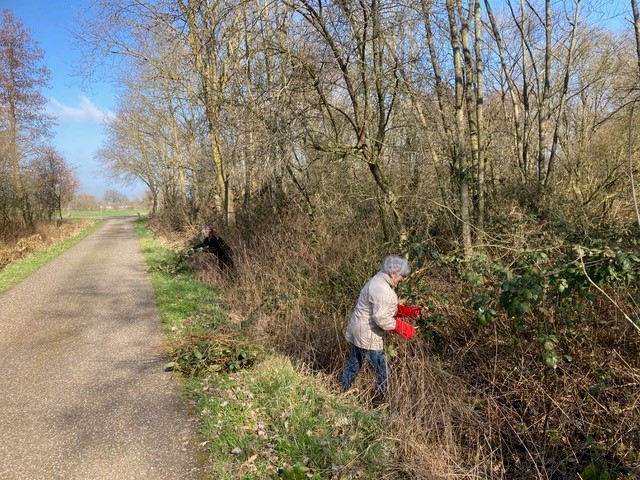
(584, 270)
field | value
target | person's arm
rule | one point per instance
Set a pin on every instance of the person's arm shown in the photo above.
(384, 314)
(384, 304)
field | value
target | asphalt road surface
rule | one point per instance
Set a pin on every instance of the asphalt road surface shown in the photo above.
(83, 392)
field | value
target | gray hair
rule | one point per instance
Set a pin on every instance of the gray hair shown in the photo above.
(395, 264)
(208, 230)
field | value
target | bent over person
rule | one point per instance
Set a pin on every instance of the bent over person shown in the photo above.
(213, 243)
(377, 312)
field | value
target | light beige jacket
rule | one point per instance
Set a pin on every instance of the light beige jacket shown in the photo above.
(373, 314)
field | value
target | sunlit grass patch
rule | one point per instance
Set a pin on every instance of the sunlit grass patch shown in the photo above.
(272, 421)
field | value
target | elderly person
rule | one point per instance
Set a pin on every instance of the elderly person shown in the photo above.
(376, 312)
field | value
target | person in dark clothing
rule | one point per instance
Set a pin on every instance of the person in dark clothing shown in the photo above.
(213, 243)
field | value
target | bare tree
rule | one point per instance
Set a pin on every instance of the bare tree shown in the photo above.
(353, 37)
(459, 154)
(214, 37)
(480, 160)
(22, 116)
(261, 100)
(138, 147)
(547, 45)
(53, 183)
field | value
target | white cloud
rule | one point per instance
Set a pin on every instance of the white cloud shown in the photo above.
(85, 112)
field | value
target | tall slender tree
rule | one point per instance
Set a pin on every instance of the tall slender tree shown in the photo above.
(457, 35)
(22, 115)
(636, 29)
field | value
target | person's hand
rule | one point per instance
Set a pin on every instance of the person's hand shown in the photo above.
(409, 311)
(404, 329)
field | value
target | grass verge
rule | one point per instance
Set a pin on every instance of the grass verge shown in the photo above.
(17, 271)
(260, 417)
(186, 306)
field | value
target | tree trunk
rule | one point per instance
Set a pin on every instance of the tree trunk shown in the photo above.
(480, 119)
(459, 154)
(636, 28)
(21, 194)
(543, 98)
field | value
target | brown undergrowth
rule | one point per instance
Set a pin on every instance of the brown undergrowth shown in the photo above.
(466, 400)
(17, 242)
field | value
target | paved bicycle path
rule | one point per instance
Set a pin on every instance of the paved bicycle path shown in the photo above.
(83, 392)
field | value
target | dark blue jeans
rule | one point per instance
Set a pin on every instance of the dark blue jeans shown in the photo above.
(354, 364)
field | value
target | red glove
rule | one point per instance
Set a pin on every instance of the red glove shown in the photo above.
(409, 312)
(405, 329)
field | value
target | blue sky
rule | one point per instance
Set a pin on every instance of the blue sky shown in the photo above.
(80, 109)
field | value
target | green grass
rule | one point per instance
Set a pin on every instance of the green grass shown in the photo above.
(260, 417)
(186, 306)
(271, 421)
(102, 213)
(15, 272)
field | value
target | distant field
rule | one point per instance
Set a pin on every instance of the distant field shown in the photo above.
(103, 213)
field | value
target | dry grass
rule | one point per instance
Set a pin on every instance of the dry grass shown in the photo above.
(18, 241)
